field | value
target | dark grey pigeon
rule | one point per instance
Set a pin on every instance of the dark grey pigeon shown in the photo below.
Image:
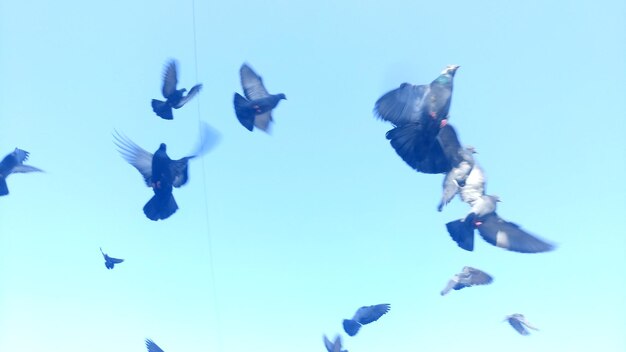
(174, 98)
(110, 262)
(417, 112)
(519, 323)
(162, 173)
(255, 110)
(11, 164)
(333, 346)
(364, 315)
(152, 347)
(467, 278)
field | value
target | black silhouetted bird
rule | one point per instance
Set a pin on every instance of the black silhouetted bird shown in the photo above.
(467, 278)
(11, 164)
(152, 347)
(333, 346)
(364, 315)
(255, 110)
(519, 323)
(417, 112)
(162, 173)
(110, 262)
(174, 98)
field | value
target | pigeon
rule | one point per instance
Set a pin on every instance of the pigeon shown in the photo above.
(417, 113)
(456, 177)
(364, 315)
(162, 173)
(467, 278)
(519, 323)
(175, 98)
(110, 262)
(152, 347)
(255, 110)
(14, 163)
(333, 346)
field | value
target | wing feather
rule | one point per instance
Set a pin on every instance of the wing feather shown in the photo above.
(135, 155)
(252, 84)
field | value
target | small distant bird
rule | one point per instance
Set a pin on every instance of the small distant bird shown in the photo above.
(110, 262)
(174, 98)
(11, 164)
(467, 278)
(519, 323)
(162, 173)
(333, 346)
(255, 110)
(152, 347)
(364, 315)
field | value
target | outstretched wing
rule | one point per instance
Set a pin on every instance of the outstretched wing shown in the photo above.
(510, 236)
(170, 78)
(152, 347)
(135, 155)
(25, 168)
(477, 277)
(517, 325)
(252, 83)
(192, 93)
(451, 284)
(366, 315)
(402, 105)
(114, 260)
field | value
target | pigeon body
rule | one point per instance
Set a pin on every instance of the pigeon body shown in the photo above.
(364, 315)
(110, 262)
(333, 346)
(161, 173)
(152, 347)
(519, 323)
(11, 164)
(255, 109)
(175, 98)
(467, 278)
(457, 176)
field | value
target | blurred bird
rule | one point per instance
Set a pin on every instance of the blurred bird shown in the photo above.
(110, 262)
(255, 110)
(11, 164)
(364, 315)
(152, 347)
(333, 346)
(174, 98)
(162, 173)
(417, 112)
(519, 323)
(467, 278)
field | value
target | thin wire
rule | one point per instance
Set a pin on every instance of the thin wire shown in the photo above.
(206, 201)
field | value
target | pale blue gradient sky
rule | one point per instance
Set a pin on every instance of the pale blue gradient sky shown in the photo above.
(320, 217)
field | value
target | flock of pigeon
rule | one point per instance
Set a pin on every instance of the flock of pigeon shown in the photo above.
(421, 136)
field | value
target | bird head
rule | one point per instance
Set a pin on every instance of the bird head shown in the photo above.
(162, 147)
(183, 90)
(281, 96)
(471, 149)
(495, 198)
(450, 70)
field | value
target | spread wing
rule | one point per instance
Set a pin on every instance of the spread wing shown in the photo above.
(518, 326)
(366, 315)
(477, 277)
(402, 105)
(192, 93)
(510, 236)
(114, 260)
(451, 284)
(25, 168)
(179, 171)
(152, 347)
(263, 120)
(252, 83)
(170, 78)
(135, 155)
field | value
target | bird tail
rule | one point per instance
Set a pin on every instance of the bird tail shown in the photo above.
(412, 142)
(244, 115)
(160, 207)
(462, 232)
(162, 109)
(351, 327)
(4, 189)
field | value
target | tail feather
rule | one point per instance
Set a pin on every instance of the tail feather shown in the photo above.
(462, 232)
(162, 109)
(160, 207)
(4, 189)
(244, 115)
(351, 327)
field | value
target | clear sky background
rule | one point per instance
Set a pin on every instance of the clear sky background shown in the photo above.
(279, 237)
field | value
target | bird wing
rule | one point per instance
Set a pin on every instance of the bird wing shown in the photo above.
(135, 155)
(114, 260)
(25, 168)
(368, 314)
(170, 78)
(510, 236)
(415, 144)
(518, 326)
(209, 138)
(527, 324)
(179, 171)
(402, 105)
(152, 347)
(451, 284)
(252, 83)
(474, 187)
(450, 145)
(262, 121)
(450, 189)
(329, 345)
(477, 277)
(192, 93)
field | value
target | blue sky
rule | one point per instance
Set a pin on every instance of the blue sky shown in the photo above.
(279, 237)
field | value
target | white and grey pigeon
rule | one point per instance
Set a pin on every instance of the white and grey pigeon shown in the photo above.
(364, 315)
(334, 346)
(466, 278)
(11, 164)
(175, 98)
(110, 262)
(255, 110)
(152, 347)
(456, 177)
(519, 323)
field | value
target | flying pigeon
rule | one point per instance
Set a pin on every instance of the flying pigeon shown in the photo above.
(110, 262)
(255, 110)
(333, 346)
(152, 347)
(417, 113)
(364, 315)
(162, 173)
(14, 163)
(467, 278)
(519, 323)
(174, 98)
